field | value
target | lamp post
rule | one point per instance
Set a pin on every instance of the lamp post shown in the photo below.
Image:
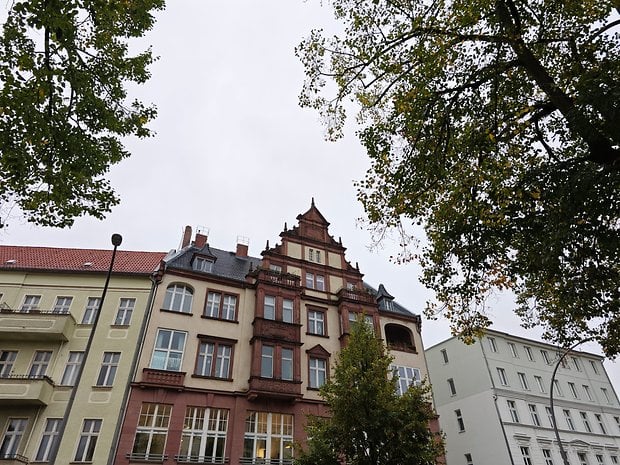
(117, 239)
(555, 370)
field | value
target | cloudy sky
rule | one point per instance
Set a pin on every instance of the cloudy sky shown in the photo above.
(234, 153)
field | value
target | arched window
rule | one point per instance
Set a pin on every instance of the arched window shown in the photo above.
(399, 338)
(178, 298)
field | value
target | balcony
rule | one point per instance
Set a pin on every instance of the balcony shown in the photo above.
(36, 325)
(278, 278)
(274, 389)
(360, 296)
(273, 329)
(162, 378)
(24, 390)
(13, 459)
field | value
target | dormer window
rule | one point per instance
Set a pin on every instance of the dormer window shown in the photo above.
(203, 264)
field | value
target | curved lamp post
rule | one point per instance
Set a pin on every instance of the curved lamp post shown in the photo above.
(555, 424)
(117, 239)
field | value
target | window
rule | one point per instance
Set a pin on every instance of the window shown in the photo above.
(314, 255)
(492, 344)
(444, 355)
(12, 437)
(152, 432)
(539, 383)
(556, 388)
(48, 439)
(550, 415)
(31, 302)
(221, 306)
(168, 351)
(564, 364)
(601, 425)
(207, 352)
(529, 353)
(276, 268)
(501, 373)
(62, 304)
(614, 459)
(545, 356)
(586, 389)
(523, 381)
(573, 390)
(269, 308)
(266, 362)
(583, 459)
(178, 298)
(525, 453)
(534, 414)
(569, 420)
(586, 423)
(469, 460)
(125, 309)
(109, 365)
(513, 350)
(547, 456)
(40, 362)
(512, 408)
(594, 368)
(287, 310)
(353, 317)
(599, 459)
(406, 377)
(606, 395)
(268, 436)
(92, 307)
(451, 387)
(617, 419)
(318, 372)
(203, 264)
(204, 435)
(316, 322)
(7, 359)
(459, 421)
(315, 281)
(71, 368)
(88, 441)
(286, 358)
(576, 364)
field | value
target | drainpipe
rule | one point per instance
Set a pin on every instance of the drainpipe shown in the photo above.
(155, 280)
(499, 417)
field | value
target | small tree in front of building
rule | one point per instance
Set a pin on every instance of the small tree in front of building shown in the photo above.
(369, 422)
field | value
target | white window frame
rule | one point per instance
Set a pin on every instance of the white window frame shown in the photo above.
(573, 389)
(606, 395)
(107, 371)
(513, 349)
(529, 353)
(460, 423)
(40, 363)
(569, 419)
(7, 360)
(539, 382)
(558, 389)
(492, 344)
(204, 430)
(74, 361)
(586, 422)
(501, 373)
(266, 431)
(91, 427)
(266, 361)
(547, 456)
(586, 389)
(210, 351)
(287, 363)
(178, 298)
(167, 355)
(523, 381)
(125, 310)
(62, 304)
(269, 307)
(318, 372)
(90, 311)
(451, 387)
(153, 424)
(545, 356)
(15, 428)
(31, 302)
(550, 415)
(203, 264)
(444, 356)
(316, 322)
(534, 414)
(287, 310)
(512, 409)
(407, 376)
(601, 423)
(525, 453)
(49, 438)
(594, 368)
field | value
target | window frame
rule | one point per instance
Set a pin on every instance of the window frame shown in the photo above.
(126, 306)
(539, 382)
(529, 353)
(90, 310)
(513, 349)
(313, 322)
(512, 409)
(208, 426)
(492, 344)
(153, 423)
(460, 422)
(444, 356)
(108, 369)
(412, 376)
(30, 306)
(451, 387)
(315, 381)
(203, 264)
(49, 438)
(7, 360)
(87, 443)
(525, 454)
(222, 310)
(219, 359)
(569, 419)
(523, 381)
(315, 281)
(62, 305)
(72, 367)
(534, 414)
(259, 430)
(601, 424)
(177, 297)
(38, 367)
(501, 374)
(11, 438)
(585, 421)
(168, 351)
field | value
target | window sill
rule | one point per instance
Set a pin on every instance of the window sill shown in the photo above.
(118, 327)
(317, 335)
(176, 312)
(218, 319)
(102, 388)
(215, 378)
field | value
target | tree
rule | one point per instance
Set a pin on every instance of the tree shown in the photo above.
(496, 125)
(369, 423)
(63, 108)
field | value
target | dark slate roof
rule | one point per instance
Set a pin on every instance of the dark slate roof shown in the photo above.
(227, 264)
(382, 296)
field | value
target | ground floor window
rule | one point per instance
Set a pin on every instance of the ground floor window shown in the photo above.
(268, 436)
(204, 435)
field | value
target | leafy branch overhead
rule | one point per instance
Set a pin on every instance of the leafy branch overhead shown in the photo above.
(63, 104)
(496, 124)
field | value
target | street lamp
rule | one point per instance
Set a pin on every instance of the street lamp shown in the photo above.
(117, 239)
(555, 425)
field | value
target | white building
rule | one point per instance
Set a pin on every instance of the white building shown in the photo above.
(492, 398)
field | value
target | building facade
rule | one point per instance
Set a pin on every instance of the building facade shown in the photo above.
(493, 401)
(48, 301)
(237, 347)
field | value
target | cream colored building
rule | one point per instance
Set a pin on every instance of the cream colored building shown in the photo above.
(48, 301)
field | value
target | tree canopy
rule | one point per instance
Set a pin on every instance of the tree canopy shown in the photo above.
(369, 423)
(495, 124)
(64, 65)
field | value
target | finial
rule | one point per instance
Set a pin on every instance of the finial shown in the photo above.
(313, 201)
(340, 240)
(285, 226)
(267, 245)
(357, 266)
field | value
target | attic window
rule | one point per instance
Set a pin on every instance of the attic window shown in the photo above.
(203, 264)
(11, 262)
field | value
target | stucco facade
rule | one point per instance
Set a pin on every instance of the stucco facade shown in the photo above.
(493, 401)
(237, 346)
(48, 299)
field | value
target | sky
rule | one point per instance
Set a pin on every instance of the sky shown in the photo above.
(234, 153)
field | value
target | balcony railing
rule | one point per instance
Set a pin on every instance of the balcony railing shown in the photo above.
(259, 461)
(278, 278)
(13, 459)
(25, 390)
(277, 330)
(36, 325)
(356, 295)
(146, 457)
(163, 378)
(274, 388)
(201, 459)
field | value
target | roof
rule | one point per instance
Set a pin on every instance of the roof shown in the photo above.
(382, 295)
(77, 260)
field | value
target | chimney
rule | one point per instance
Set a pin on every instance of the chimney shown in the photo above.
(242, 246)
(187, 237)
(202, 234)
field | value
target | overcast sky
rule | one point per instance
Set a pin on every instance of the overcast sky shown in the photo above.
(234, 152)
